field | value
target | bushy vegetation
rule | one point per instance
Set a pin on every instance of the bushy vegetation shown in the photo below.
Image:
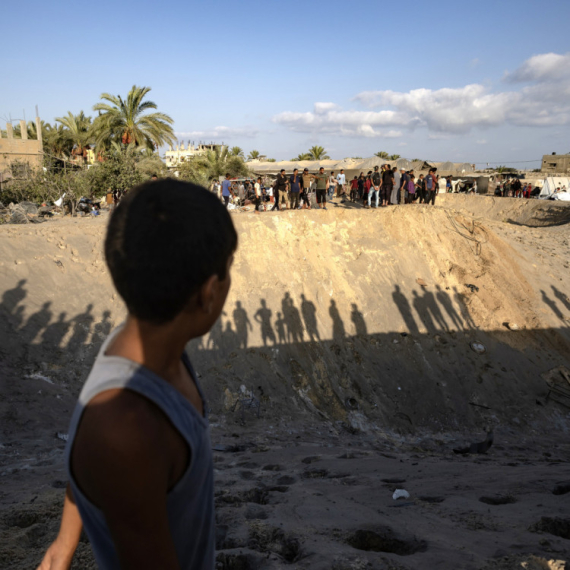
(119, 170)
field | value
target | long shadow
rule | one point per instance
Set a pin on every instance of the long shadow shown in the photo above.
(338, 331)
(461, 301)
(358, 321)
(432, 307)
(81, 329)
(401, 301)
(552, 304)
(35, 324)
(423, 312)
(292, 319)
(263, 317)
(54, 333)
(242, 322)
(309, 312)
(561, 297)
(280, 326)
(444, 300)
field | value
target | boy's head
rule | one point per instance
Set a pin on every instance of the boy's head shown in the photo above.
(165, 241)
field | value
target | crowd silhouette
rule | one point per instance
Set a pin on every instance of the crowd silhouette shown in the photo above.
(433, 311)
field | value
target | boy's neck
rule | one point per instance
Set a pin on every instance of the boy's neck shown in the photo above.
(157, 347)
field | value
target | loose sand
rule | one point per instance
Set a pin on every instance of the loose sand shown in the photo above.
(354, 328)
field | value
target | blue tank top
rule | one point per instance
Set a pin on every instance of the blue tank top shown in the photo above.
(190, 504)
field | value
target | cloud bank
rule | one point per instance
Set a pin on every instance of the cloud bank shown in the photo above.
(539, 96)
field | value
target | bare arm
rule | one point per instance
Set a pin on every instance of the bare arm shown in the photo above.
(61, 551)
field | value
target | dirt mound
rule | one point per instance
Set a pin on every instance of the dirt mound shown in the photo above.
(533, 213)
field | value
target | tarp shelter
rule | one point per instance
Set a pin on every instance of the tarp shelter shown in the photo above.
(551, 183)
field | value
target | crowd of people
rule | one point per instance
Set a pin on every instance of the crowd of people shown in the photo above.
(513, 188)
(378, 188)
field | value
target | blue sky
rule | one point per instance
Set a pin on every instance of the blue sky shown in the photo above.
(476, 82)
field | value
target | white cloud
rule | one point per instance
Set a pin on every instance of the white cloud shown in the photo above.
(329, 118)
(482, 141)
(474, 62)
(543, 67)
(219, 133)
(544, 102)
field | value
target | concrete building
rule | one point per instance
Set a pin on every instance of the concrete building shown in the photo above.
(176, 156)
(555, 164)
(23, 150)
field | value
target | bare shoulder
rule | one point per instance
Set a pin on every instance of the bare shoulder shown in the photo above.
(122, 438)
(123, 417)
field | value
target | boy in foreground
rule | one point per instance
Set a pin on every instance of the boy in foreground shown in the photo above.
(139, 456)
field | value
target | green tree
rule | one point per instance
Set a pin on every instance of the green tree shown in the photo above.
(203, 168)
(117, 171)
(56, 141)
(270, 160)
(78, 131)
(318, 153)
(382, 154)
(127, 121)
(236, 151)
(394, 157)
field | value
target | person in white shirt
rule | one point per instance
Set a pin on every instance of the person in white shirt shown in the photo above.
(257, 188)
(341, 183)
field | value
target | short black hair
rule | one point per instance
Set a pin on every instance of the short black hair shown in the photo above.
(164, 241)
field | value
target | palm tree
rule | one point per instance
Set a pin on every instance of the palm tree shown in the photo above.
(302, 156)
(255, 155)
(382, 154)
(236, 151)
(124, 122)
(78, 129)
(394, 157)
(56, 141)
(318, 153)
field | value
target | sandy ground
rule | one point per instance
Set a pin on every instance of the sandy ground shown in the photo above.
(354, 329)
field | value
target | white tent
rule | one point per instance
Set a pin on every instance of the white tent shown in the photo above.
(550, 184)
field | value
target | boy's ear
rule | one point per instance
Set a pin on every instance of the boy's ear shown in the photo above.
(207, 294)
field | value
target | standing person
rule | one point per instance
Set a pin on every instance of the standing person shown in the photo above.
(257, 189)
(332, 184)
(353, 189)
(360, 186)
(307, 178)
(431, 186)
(396, 187)
(411, 190)
(367, 186)
(280, 186)
(474, 187)
(387, 185)
(341, 183)
(421, 186)
(139, 455)
(374, 191)
(448, 187)
(295, 185)
(321, 179)
(404, 179)
(227, 190)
